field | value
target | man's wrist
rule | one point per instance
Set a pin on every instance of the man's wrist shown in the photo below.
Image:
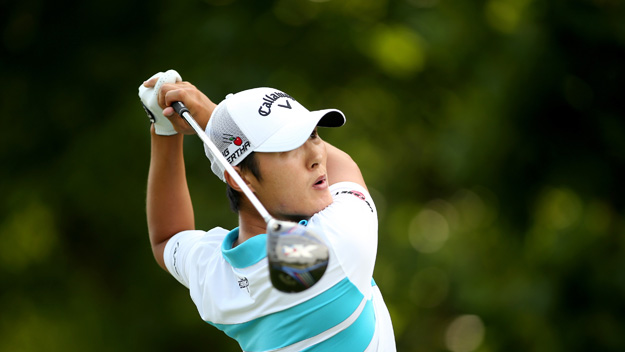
(159, 138)
(154, 134)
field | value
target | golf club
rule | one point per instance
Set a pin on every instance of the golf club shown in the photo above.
(297, 257)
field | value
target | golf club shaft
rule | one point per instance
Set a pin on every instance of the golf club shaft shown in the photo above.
(184, 113)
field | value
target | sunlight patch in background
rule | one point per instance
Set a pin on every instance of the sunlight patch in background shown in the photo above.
(557, 210)
(28, 236)
(464, 334)
(423, 3)
(397, 50)
(477, 208)
(428, 231)
(295, 13)
(505, 15)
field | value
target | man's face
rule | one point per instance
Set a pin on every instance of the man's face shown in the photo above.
(293, 184)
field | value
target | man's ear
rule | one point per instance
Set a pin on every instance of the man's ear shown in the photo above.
(233, 184)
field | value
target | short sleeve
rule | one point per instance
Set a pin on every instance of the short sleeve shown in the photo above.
(181, 249)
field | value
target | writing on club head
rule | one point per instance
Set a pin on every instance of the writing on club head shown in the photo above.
(297, 256)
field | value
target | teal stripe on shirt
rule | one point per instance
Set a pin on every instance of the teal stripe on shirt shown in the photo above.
(355, 338)
(300, 322)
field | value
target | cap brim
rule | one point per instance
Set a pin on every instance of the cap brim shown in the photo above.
(293, 135)
(330, 118)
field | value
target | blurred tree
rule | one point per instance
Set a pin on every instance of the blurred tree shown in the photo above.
(490, 134)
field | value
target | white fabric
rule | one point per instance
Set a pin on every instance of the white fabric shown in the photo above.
(149, 98)
(349, 227)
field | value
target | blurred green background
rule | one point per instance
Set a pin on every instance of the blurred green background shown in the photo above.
(490, 133)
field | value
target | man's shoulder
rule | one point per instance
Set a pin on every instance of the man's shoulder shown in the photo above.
(352, 193)
(214, 236)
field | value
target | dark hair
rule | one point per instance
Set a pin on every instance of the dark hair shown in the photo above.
(249, 163)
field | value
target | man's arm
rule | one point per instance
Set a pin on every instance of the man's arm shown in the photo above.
(169, 208)
(341, 167)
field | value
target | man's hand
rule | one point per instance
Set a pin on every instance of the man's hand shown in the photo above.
(149, 98)
(199, 105)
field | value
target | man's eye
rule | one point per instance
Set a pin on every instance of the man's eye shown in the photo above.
(314, 134)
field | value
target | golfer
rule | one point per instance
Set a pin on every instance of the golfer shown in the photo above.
(272, 141)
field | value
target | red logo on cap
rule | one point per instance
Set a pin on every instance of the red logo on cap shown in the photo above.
(234, 140)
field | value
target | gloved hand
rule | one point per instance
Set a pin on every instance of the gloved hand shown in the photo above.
(149, 99)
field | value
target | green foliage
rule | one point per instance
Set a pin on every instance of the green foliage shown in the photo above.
(490, 133)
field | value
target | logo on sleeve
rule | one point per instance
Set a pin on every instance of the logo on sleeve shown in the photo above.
(358, 194)
(175, 258)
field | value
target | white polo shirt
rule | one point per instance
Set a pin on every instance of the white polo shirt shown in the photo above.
(232, 290)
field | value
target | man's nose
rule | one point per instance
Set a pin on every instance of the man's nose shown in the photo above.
(316, 152)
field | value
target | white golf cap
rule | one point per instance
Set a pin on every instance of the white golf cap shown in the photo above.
(262, 120)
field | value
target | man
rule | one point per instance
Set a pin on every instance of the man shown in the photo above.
(272, 142)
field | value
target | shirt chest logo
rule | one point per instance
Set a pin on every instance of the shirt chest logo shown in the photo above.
(244, 284)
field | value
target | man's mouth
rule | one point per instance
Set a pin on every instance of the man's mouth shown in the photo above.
(320, 183)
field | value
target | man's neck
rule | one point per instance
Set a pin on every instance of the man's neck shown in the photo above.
(250, 225)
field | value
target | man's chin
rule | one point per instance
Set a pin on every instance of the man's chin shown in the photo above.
(295, 217)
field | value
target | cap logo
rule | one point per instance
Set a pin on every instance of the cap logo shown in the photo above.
(236, 147)
(229, 138)
(269, 99)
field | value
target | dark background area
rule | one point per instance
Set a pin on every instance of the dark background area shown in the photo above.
(490, 133)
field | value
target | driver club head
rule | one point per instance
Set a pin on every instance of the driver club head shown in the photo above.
(297, 256)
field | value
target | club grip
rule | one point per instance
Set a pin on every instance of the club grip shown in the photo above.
(179, 107)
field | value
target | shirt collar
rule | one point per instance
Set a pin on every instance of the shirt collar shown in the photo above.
(247, 253)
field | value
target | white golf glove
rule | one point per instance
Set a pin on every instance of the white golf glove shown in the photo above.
(149, 98)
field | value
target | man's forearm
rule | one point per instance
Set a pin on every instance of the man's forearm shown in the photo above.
(169, 209)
